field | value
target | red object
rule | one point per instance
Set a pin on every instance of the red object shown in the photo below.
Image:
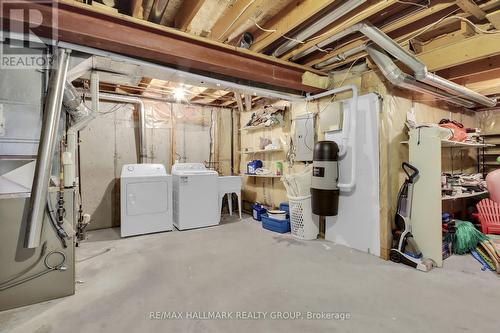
(458, 133)
(489, 216)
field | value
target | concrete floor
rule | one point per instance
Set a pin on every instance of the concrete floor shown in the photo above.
(241, 267)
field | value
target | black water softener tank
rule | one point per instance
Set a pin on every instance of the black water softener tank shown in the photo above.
(324, 190)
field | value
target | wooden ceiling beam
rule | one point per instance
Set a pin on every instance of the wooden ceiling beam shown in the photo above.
(356, 16)
(186, 13)
(82, 25)
(466, 51)
(136, 9)
(240, 12)
(472, 8)
(481, 66)
(438, 8)
(288, 19)
(494, 18)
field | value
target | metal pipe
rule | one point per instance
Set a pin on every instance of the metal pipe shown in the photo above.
(341, 56)
(400, 79)
(143, 147)
(459, 90)
(381, 39)
(419, 69)
(52, 115)
(323, 22)
(348, 131)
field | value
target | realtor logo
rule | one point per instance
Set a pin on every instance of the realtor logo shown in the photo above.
(28, 33)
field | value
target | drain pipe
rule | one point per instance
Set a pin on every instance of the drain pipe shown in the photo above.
(390, 46)
(143, 147)
(52, 115)
(348, 138)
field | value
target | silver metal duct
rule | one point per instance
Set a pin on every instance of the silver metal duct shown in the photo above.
(323, 22)
(341, 56)
(453, 88)
(52, 114)
(71, 97)
(381, 39)
(400, 79)
(419, 68)
(143, 147)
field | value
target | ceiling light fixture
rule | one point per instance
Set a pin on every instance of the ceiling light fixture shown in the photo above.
(179, 93)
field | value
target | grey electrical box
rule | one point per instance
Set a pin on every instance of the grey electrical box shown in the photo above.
(304, 136)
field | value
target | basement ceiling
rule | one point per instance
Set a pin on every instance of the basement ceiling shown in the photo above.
(449, 36)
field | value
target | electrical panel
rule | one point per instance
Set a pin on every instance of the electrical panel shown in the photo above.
(303, 138)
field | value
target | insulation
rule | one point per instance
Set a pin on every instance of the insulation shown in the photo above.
(111, 141)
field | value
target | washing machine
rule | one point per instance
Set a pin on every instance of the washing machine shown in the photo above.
(196, 202)
(145, 199)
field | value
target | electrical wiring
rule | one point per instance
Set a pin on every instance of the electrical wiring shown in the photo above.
(415, 4)
(236, 19)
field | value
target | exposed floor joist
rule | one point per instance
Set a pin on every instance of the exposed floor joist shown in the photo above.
(439, 9)
(288, 19)
(468, 50)
(241, 11)
(365, 11)
(472, 8)
(186, 13)
(83, 26)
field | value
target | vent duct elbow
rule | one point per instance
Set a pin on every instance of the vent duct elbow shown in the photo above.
(421, 80)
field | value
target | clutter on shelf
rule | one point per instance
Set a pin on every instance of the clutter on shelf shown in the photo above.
(269, 115)
(451, 130)
(456, 185)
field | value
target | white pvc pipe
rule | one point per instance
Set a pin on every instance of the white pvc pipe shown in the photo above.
(348, 131)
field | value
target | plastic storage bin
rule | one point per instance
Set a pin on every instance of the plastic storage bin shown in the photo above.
(257, 211)
(285, 206)
(302, 224)
(281, 226)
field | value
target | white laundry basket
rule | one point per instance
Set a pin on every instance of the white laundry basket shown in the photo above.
(302, 224)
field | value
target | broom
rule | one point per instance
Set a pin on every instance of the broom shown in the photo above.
(466, 237)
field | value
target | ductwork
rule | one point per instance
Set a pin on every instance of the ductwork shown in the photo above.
(376, 36)
(52, 115)
(400, 79)
(318, 25)
(82, 116)
(143, 147)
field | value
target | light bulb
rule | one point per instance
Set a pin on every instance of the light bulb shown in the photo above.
(179, 93)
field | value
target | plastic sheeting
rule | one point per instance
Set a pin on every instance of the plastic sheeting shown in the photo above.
(489, 121)
(111, 140)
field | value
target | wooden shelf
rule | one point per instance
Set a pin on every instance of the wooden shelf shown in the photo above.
(464, 195)
(461, 145)
(464, 145)
(263, 151)
(262, 176)
(254, 128)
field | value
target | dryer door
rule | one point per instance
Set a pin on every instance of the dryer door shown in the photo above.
(147, 197)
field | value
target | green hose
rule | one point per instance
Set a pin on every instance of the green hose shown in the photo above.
(466, 237)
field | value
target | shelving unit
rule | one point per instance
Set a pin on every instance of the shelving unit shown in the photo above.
(262, 151)
(464, 195)
(489, 154)
(263, 176)
(425, 152)
(254, 128)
